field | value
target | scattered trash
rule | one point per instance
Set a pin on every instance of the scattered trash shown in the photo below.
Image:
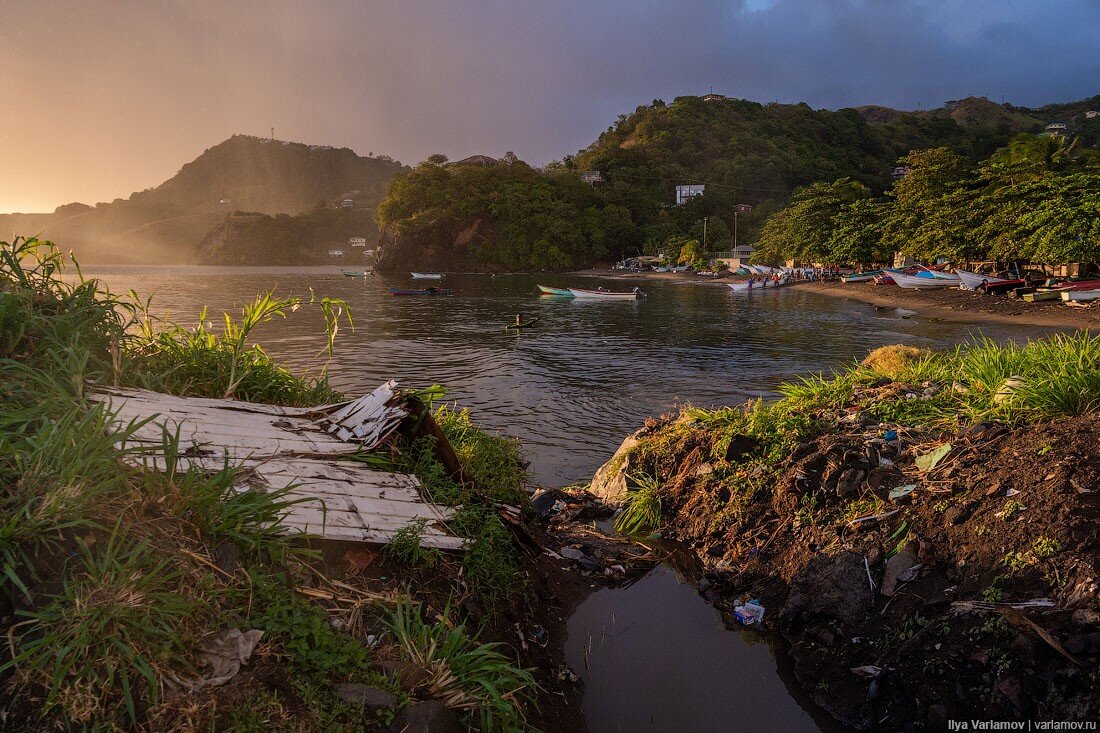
(867, 567)
(890, 436)
(749, 613)
(867, 671)
(1012, 492)
(930, 460)
(1007, 389)
(901, 491)
(872, 517)
(901, 568)
(225, 653)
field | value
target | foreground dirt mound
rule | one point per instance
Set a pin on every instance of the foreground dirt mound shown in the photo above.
(919, 575)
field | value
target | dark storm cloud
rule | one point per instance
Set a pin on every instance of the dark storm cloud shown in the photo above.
(113, 96)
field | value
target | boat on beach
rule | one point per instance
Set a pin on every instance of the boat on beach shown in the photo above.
(1045, 294)
(971, 280)
(860, 277)
(916, 282)
(750, 286)
(426, 275)
(423, 291)
(606, 294)
(547, 290)
(1080, 295)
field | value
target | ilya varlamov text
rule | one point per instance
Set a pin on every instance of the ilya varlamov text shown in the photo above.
(1020, 725)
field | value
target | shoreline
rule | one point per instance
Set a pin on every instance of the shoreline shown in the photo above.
(949, 304)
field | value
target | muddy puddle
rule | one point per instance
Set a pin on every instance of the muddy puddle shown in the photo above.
(655, 656)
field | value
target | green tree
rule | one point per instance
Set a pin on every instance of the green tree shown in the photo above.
(804, 229)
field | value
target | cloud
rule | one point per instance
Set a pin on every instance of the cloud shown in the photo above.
(112, 97)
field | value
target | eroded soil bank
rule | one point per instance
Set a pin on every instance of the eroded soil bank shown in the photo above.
(912, 591)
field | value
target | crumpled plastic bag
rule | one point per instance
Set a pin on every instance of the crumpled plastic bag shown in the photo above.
(225, 653)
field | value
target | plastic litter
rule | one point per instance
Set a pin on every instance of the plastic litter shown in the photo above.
(749, 613)
(930, 460)
(890, 436)
(902, 491)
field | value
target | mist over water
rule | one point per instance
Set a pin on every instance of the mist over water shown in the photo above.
(580, 380)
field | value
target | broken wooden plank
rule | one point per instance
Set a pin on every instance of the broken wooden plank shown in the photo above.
(273, 448)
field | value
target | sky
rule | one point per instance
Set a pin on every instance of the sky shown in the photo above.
(100, 98)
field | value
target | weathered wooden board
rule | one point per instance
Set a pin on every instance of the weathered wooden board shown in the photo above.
(293, 449)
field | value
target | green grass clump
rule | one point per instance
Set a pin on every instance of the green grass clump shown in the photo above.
(474, 678)
(110, 634)
(493, 463)
(406, 546)
(641, 512)
(222, 363)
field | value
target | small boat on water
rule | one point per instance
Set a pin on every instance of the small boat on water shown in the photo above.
(426, 276)
(547, 290)
(606, 294)
(424, 291)
(971, 280)
(859, 277)
(358, 273)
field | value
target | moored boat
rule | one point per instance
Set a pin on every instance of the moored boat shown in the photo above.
(606, 294)
(1045, 294)
(547, 290)
(423, 291)
(426, 275)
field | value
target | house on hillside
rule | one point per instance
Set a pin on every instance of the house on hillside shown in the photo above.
(592, 177)
(475, 160)
(1056, 128)
(1092, 114)
(712, 97)
(357, 242)
(734, 258)
(687, 192)
(347, 203)
(900, 171)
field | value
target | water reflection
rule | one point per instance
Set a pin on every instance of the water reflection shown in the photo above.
(591, 371)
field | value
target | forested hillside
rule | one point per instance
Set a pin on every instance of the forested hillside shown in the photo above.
(166, 223)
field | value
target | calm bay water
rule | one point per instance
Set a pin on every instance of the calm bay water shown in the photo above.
(587, 374)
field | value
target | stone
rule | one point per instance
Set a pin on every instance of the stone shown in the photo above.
(365, 695)
(430, 716)
(609, 483)
(572, 553)
(589, 563)
(936, 718)
(834, 586)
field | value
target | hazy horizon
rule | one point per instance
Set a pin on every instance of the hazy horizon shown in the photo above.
(104, 98)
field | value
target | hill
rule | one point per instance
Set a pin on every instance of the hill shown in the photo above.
(166, 223)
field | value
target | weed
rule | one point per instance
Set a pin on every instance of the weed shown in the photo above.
(474, 678)
(641, 512)
(1044, 547)
(406, 546)
(1016, 560)
(111, 633)
(1010, 508)
(941, 506)
(489, 563)
(993, 594)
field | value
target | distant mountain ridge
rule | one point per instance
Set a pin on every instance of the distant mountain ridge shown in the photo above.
(166, 223)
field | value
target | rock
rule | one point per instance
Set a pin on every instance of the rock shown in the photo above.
(430, 716)
(959, 513)
(572, 553)
(936, 718)
(589, 563)
(833, 586)
(900, 567)
(609, 483)
(849, 482)
(227, 556)
(1027, 648)
(365, 695)
(409, 674)
(1077, 644)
